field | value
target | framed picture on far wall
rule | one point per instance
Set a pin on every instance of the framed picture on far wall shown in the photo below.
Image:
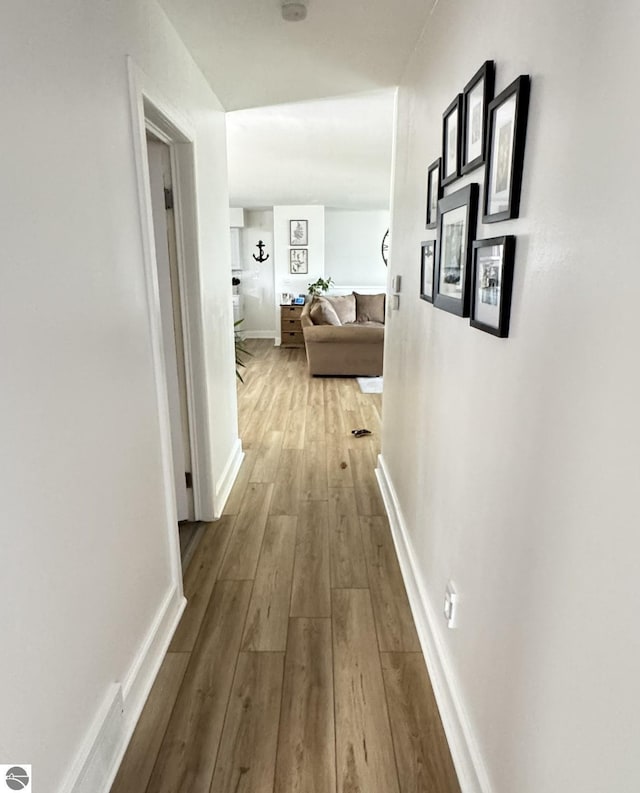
(451, 135)
(492, 279)
(478, 92)
(298, 232)
(507, 131)
(458, 214)
(434, 192)
(427, 263)
(298, 261)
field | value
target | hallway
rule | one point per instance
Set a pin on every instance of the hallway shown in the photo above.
(296, 667)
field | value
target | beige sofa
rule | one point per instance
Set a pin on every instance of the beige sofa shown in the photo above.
(344, 335)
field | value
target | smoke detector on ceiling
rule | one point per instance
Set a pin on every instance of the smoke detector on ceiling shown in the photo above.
(294, 10)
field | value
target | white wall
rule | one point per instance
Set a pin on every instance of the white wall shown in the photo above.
(516, 461)
(283, 280)
(352, 247)
(84, 542)
(257, 279)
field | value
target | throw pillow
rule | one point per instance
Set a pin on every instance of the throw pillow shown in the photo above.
(369, 308)
(345, 307)
(323, 313)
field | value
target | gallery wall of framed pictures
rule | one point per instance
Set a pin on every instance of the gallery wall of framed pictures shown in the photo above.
(458, 273)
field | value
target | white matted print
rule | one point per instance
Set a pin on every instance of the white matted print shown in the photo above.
(488, 284)
(492, 278)
(454, 253)
(457, 213)
(298, 232)
(451, 141)
(475, 123)
(434, 193)
(451, 137)
(434, 196)
(298, 261)
(427, 262)
(502, 157)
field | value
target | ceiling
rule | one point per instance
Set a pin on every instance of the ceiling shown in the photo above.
(252, 57)
(313, 99)
(334, 152)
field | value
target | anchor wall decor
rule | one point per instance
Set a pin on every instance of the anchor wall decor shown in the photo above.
(260, 257)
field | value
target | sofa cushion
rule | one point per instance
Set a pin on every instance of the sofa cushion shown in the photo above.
(345, 306)
(323, 313)
(344, 334)
(369, 308)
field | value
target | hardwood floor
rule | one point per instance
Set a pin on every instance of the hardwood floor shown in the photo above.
(296, 667)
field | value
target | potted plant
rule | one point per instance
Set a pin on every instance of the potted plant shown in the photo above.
(241, 350)
(320, 286)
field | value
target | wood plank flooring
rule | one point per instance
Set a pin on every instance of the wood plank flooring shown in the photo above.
(296, 667)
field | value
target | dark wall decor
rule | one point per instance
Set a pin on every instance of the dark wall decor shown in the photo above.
(434, 192)
(451, 137)
(507, 131)
(261, 257)
(478, 92)
(492, 280)
(384, 248)
(427, 266)
(458, 214)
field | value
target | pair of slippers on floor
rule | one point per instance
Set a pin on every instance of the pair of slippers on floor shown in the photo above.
(360, 433)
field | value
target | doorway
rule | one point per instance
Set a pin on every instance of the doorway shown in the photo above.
(173, 337)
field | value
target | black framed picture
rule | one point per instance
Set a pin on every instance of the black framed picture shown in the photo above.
(427, 265)
(478, 92)
(298, 232)
(492, 280)
(458, 214)
(451, 137)
(434, 192)
(507, 132)
(298, 261)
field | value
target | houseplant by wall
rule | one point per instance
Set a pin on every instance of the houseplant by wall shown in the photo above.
(241, 350)
(320, 286)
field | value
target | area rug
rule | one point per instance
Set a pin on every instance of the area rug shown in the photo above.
(370, 385)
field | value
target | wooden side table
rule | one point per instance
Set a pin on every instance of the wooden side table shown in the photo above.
(290, 327)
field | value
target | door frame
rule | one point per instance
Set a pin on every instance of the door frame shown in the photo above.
(151, 111)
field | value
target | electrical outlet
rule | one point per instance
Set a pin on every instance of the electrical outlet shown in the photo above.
(451, 602)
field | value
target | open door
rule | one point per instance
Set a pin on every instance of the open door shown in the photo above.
(159, 157)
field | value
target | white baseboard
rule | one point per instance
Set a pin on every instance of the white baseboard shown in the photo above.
(466, 756)
(101, 753)
(258, 334)
(225, 483)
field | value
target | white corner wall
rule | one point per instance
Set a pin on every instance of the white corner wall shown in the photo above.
(353, 240)
(257, 282)
(87, 599)
(515, 461)
(284, 281)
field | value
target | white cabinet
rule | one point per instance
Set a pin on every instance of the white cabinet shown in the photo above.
(238, 307)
